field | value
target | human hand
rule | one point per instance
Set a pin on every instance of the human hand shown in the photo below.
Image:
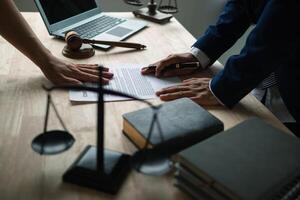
(171, 59)
(197, 89)
(60, 72)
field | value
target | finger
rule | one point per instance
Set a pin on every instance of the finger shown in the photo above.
(93, 66)
(148, 70)
(85, 77)
(171, 90)
(171, 72)
(162, 65)
(106, 69)
(90, 66)
(196, 87)
(190, 80)
(89, 70)
(105, 81)
(108, 75)
(175, 95)
(96, 72)
(171, 59)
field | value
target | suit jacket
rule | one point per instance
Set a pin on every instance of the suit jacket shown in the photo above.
(272, 46)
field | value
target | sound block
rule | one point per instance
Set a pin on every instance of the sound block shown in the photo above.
(158, 17)
(86, 51)
(84, 170)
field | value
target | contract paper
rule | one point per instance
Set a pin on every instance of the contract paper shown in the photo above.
(127, 79)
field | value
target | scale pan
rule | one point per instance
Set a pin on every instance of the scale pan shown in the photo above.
(151, 163)
(168, 9)
(52, 142)
(134, 2)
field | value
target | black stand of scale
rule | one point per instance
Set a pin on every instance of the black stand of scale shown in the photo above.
(152, 14)
(105, 175)
(96, 167)
(159, 14)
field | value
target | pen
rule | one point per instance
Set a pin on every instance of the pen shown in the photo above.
(116, 44)
(75, 42)
(188, 65)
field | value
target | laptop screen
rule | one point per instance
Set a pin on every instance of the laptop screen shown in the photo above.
(58, 10)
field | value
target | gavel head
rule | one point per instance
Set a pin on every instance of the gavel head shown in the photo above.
(73, 40)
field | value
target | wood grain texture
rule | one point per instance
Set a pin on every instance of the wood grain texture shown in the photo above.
(26, 175)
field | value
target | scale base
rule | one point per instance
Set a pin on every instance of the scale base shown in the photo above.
(157, 17)
(83, 171)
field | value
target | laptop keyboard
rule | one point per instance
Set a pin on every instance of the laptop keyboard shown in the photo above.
(97, 26)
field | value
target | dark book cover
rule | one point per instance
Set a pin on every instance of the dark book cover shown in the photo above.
(191, 190)
(183, 123)
(250, 161)
(197, 184)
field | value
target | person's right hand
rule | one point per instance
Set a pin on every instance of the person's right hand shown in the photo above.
(171, 59)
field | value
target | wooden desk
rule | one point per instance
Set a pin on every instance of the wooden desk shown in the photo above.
(26, 175)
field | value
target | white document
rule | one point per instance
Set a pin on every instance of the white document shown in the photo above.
(127, 79)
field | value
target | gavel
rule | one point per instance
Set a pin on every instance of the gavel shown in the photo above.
(74, 42)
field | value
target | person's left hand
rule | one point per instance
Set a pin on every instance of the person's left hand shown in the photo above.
(64, 73)
(197, 89)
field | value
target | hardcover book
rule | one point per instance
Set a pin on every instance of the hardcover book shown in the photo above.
(250, 161)
(182, 122)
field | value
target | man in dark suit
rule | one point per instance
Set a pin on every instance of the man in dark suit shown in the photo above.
(271, 48)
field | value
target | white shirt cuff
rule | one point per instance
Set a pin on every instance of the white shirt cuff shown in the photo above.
(214, 94)
(201, 57)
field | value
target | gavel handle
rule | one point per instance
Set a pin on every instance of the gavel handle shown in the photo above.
(116, 44)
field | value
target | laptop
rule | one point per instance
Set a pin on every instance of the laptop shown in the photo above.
(85, 17)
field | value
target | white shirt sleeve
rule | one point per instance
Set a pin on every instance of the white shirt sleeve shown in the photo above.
(204, 61)
(215, 95)
(201, 57)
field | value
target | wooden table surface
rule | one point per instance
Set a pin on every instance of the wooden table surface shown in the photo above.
(27, 175)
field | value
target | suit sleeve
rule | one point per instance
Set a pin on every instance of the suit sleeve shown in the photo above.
(231, 25)
(271, 44)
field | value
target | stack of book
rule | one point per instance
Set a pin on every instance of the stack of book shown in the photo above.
(189, 181)
(252, 161)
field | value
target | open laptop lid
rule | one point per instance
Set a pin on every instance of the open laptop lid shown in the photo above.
(58, 14)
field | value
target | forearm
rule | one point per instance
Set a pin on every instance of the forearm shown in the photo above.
(15, 30)
(271, 45)
(231, 25)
